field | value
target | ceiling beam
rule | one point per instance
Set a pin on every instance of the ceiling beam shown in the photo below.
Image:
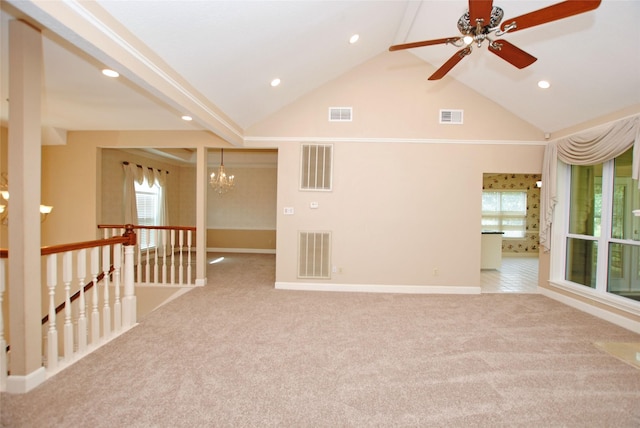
(92, 29)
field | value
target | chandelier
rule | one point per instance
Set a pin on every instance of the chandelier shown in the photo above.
(4, 194)
(220, 181)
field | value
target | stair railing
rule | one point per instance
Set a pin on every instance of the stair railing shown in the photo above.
(163, 254)
(93, 320)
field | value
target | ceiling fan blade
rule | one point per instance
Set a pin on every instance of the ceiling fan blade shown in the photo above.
(554, 12)
(480, 9)
(512, 54)
(423, 43)
(447, 66)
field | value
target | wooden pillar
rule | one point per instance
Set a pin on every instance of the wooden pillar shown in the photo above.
(25, 87)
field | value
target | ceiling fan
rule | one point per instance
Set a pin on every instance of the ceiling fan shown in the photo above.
(482, 21)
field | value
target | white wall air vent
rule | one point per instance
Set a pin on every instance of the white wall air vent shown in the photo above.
(451, 117)
(340, 114)
(314, 255)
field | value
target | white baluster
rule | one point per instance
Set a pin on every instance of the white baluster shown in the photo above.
(52, 334)
(181, 263)
(67, 277)
(156, 265)
(173, 257)
(82, 316)
(95, 313)
(129, 298)
(164, 256)
(106, 309)
(3, 342)
(117, 307)
(189, 257)
(147, 239)
(141, 261)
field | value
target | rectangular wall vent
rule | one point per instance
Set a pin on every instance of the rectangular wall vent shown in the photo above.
(314, 255)
(316, 163)
(340, 114)
(451, 117)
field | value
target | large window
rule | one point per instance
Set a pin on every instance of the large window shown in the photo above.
(148, 204)
(603, 239)
(506, 212)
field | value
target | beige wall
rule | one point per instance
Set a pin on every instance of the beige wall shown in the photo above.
(407, 191)
(398, 211)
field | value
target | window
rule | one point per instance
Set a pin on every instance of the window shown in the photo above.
(505, 211)
(603, 234)
(148, 205)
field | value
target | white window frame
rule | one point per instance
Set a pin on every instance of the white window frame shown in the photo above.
(560, 235)
(146, 238)
(503, 215)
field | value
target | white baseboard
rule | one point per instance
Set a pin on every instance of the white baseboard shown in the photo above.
(377, 288)
(242, 250)
(601, 313)
(23, 384)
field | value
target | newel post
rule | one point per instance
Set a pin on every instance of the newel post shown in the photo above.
(129, 316)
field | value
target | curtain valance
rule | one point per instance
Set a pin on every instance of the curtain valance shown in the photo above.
(586, 148)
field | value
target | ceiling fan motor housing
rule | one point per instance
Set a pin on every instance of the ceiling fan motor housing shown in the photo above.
(466, 27)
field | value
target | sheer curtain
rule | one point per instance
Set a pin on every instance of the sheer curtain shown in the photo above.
(587, 148)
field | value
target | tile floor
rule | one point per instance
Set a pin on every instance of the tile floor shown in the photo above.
(516, 275)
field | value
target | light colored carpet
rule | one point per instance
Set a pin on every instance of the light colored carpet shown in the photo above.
(240, 353)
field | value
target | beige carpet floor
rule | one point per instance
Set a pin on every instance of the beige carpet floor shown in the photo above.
(238, 353)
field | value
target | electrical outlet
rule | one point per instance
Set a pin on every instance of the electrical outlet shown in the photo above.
(435, 271)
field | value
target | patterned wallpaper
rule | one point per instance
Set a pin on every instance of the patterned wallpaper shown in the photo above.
(531, 242)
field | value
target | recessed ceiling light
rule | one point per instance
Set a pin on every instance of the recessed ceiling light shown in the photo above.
(544, 84)
(187, 118)
(110, 73)
(354, 38)
(275, 82)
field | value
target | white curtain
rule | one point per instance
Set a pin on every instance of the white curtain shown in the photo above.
(132, 174)
(587, 148)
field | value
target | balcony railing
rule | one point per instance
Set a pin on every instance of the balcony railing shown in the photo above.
(163, 254)
(90, 288)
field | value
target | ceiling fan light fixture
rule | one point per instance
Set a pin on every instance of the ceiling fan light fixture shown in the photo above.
(467, 39)
(544, 84)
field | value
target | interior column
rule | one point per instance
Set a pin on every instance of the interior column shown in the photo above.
(201, 216)
(24, 156)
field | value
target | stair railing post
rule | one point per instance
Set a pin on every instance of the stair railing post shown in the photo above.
(129, 316)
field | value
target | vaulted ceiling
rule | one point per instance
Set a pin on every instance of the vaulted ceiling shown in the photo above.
(220, 56)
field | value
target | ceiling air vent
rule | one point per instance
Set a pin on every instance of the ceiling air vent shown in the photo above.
(451, 117)
(340, 114)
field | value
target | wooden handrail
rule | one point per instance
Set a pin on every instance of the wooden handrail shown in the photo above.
(119, 226)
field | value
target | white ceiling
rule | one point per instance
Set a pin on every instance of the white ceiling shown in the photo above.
(229, 51)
